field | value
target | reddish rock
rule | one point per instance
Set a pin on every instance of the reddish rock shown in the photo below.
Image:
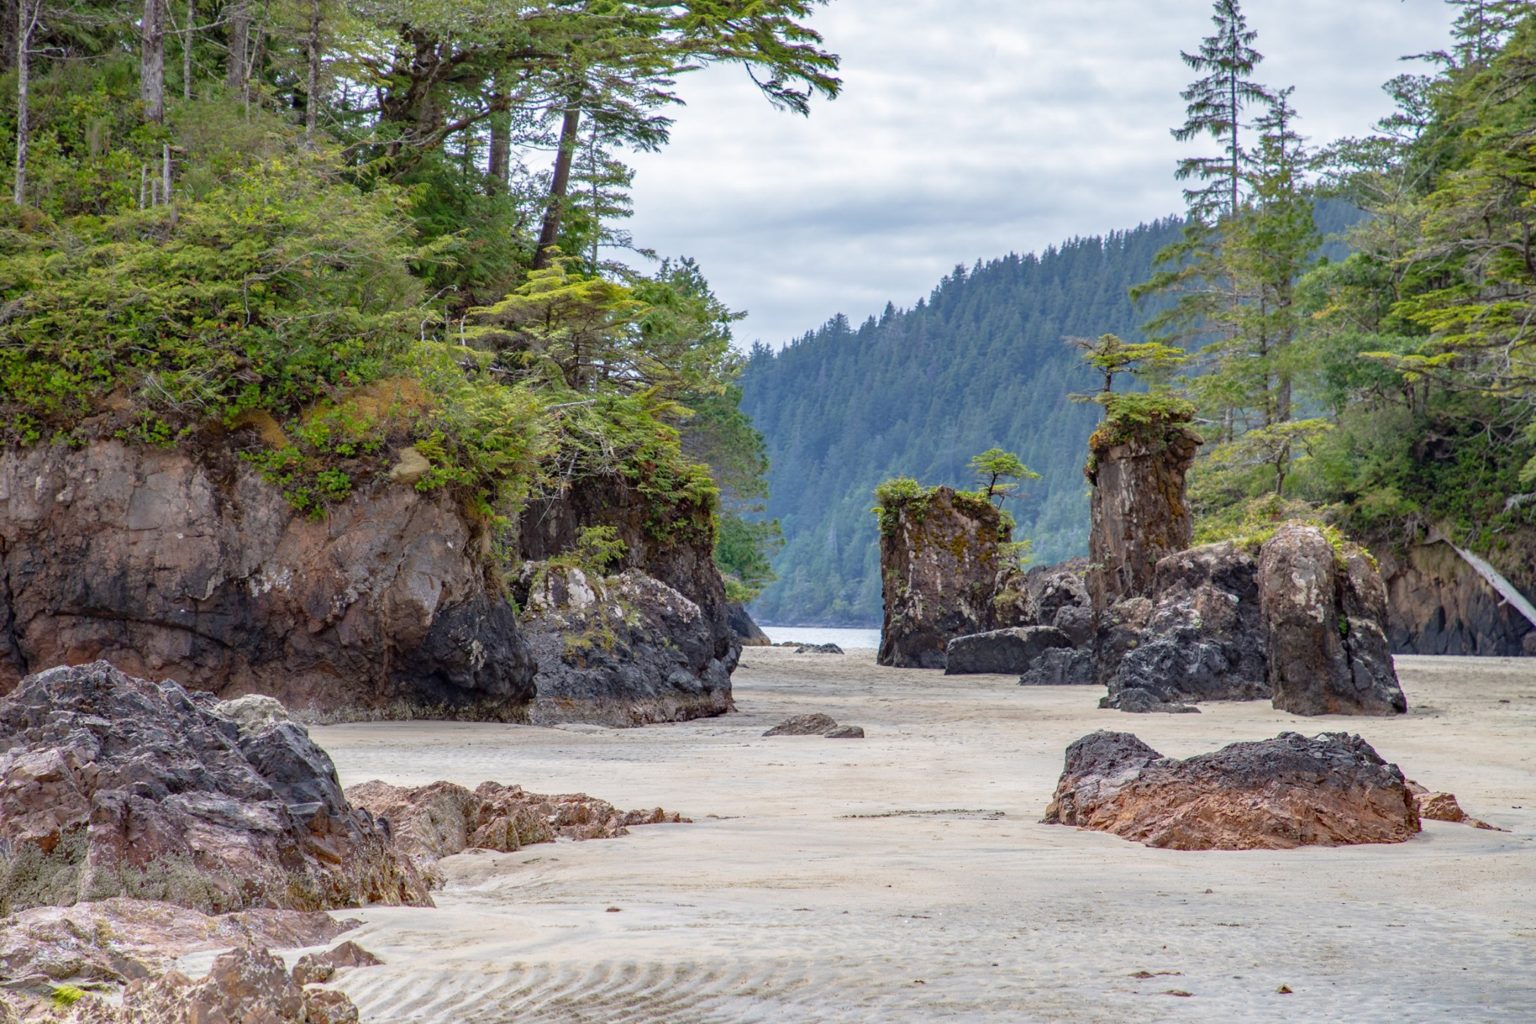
(246, 985)
(111, 785)
(441, 819)
(321, 967)
(1329, 790)
(328, 1006)
(1443, 807)
(120, 940)
(196, 568)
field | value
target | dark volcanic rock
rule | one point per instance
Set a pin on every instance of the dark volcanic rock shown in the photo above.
(1201, 638)
(1138, 701)
(742, 625)
(620, 650)
(165, 565)
(641, 680)
(1324, 624)
(1063, 666)
(940, 559)
(1290, 791)
(1002, 651)
(1138, 510)
(111, 785)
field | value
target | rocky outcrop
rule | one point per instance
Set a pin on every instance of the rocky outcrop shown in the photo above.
(1138, 510)
(746, 630)
(1199, 637)
(816, 725)
(1437, 604)
(941, 553)
(620, 650)
(119, 940)
(111, 785)
(246, 984)
(438, 820)
(674, 656)
(1291, 791)
(166, 564)
(1324, 623)
(318, 968)
(1002, 651)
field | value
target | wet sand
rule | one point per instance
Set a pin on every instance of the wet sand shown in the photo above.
(905, 877)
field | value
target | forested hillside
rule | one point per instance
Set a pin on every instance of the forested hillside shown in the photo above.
(982, 362)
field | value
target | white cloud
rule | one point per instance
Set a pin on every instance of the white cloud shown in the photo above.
(971, 128)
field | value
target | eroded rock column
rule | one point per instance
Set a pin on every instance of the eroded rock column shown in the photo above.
(1138, 505)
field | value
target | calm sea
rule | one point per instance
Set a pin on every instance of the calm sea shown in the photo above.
(847, 639)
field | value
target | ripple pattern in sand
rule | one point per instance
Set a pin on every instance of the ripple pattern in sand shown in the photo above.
(786, 992)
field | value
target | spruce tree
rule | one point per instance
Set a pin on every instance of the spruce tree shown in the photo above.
(1225, 60)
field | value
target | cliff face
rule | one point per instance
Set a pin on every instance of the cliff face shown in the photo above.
(169, 565)
(653, 641)
(1138, 510)
(940, 556)
(1438, 605)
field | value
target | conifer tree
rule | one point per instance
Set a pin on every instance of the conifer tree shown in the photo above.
(1216, 101)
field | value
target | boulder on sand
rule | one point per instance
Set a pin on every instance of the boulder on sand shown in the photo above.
(1002, 651)
(1328, 790)
(111, 785)
(1326, 628)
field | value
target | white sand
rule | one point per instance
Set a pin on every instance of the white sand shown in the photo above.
(953, 903)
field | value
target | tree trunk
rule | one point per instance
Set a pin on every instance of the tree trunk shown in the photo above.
(569, 127)
(238, 14)
(188, 35)
(152, 60)
(499, 163)
(27, 12)
(312, 87)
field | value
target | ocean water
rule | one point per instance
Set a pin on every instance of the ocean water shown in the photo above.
(847, 639)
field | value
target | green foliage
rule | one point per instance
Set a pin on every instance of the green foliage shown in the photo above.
(598, 549)
(1000, 473)
(65, 996)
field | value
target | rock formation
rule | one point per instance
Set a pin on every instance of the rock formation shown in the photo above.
(673, 656)
(744, 627)
(437, 820)
(200, 570)
(1003, 651)
(1138, 510)
(940, 556)
(1324, 623)
(247, 984)
(1200, 637)
(111, 785)
(621, 650)
(118, 940)
(1330, 790)
(1436, 603)
(816, 725)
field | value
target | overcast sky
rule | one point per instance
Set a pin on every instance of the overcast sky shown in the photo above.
(971, 128)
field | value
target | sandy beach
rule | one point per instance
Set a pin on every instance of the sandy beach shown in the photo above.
(905, 877)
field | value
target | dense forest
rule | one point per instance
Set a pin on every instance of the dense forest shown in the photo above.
(1349, 324)
(982, 362)
(316, 232)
